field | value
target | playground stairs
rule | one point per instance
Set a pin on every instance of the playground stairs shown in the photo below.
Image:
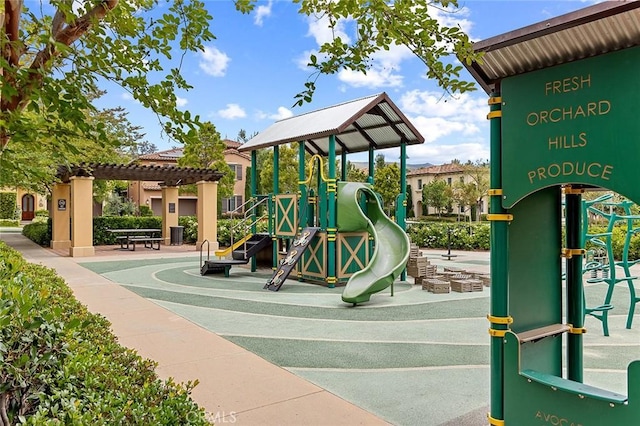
(251, 247)
(298, 247)
(239, 256)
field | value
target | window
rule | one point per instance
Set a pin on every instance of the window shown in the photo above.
(461, 179)
(230, 204)
(449, 181)
(237, 169)
(419, 183)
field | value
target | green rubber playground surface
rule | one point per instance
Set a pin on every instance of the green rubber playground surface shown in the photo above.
(416, 358)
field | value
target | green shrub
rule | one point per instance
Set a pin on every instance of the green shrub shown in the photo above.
(617, 241)
(61, 364)
(145, 211)
(39, 232)
(102, 224)
(190, 224)
(42, 213)
(8, 205)
(225, 227)
(464, 236)
(9, 222)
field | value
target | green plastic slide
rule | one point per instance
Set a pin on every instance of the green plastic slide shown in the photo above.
(359, 209)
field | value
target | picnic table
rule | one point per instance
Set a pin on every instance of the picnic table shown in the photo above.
(151, 237)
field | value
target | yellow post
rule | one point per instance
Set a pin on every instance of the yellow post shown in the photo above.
(169, 211)
(81, 217)
(60, 215)
(207, 214)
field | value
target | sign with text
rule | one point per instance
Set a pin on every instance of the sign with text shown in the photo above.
(573, 123)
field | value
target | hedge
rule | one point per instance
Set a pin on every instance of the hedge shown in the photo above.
(40, 233)
(8, 205)
(61, 364)
(463, 236)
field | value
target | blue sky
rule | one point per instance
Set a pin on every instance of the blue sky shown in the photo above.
(248, 76)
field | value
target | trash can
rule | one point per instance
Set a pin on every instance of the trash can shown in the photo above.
(177, 233)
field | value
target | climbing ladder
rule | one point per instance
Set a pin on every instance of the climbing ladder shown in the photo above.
(298, 247)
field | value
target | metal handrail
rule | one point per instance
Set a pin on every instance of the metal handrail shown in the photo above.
(248, 214)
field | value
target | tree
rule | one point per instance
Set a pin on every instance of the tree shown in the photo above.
(354, 174)
(379, 25)
(387, 184)
(437, 194)
(378, 162)
(207, 151)
(287, 170)
(52, 59)
(409, 198)
(53, 56)
(464, 194)
(478, 171)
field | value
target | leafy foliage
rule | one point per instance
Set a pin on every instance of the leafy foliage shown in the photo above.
(38, 232)
(378, 25)
(463, 236)
(387, 184)
(287, 170)
(207, 151)
(437, 194)
(62, 365)
(8, 205)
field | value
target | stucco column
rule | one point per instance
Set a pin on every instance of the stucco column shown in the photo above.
(169, 211)
(60, 215)
(81, 217)
(207, 214)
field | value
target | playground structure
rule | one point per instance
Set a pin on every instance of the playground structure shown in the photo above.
(332, 231)
(607, 264)
(563, 118)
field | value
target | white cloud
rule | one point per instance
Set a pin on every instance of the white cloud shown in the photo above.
(127, 96)
(281, 114)
(320, 30)
(441, 154)
(464, 107)
(180, 102)
(232, 112)
(213, 61)
(374, 78)
(261, 12)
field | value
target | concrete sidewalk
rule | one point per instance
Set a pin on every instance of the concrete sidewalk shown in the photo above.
(235, 385)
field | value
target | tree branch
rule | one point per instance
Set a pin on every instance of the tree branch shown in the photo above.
(12, 48)
(66, 35)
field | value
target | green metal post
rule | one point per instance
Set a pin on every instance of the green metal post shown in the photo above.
(303, 201)
(343, 166)
(401, 204)
(254, 194)
(371, 164)
(303, 215)
(331, 223)
(575, 291)
(276, 188)
(499, 262)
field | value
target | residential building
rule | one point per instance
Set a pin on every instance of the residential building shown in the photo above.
(28, 202)
(149, 193)
(450, 173)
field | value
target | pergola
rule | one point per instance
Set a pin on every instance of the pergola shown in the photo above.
(72, 216)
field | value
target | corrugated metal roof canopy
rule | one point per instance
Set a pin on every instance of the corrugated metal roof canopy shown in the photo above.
(594, 30)
(373, 121)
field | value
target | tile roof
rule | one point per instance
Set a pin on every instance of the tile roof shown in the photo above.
(172, 155)
(437, 170)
